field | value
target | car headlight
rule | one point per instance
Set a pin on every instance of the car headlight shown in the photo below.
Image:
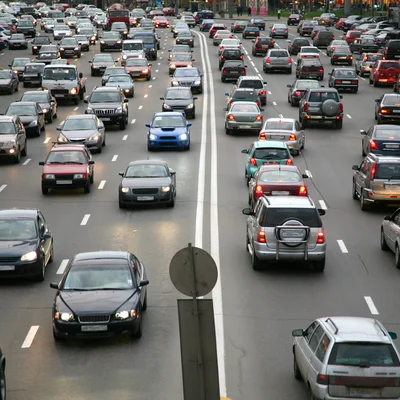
(165, 189)
(15, 71)
(127, 90)
(31, 256)
(167, 107)
(33, 123)
(175, 83)
(34, 47)
(76, 48)
(197, 82)
(74, 90)
(89, 110)
(62, 138)
(119, 109)
(125, 190)
(172, 66)
(95, 67)
(153, 49)
(61, 48)
(94, 138)
(49, 176)
(119, 42)
(184, 136)
(145, 71)
(79, 176)
(152, 136)
(45, 110)
(65, 316)
(125, 314)
(102, 41)
(93, 37)
(124, 56)
(189, 106)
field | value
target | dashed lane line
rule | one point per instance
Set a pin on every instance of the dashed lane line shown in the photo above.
(47, 140)
(323, 204)
(133, 121)
(146, 95)
(161, 56)
(269, 92)
(362, 78)
(280, 116)
(252, 63)
(150, 86)
(255, 69)
(156, 70)
(348, 116)
(62, 267)
(27, 161)
(101, 185)
(308, 172)
(342, 246)
(125, 137)
(159, 63)
(371, 305)
(114, 158)
(274, 103)
(76, 108)
(2, 187)
(85, 220)
(140, 107)
(154, 78)
(30, 336)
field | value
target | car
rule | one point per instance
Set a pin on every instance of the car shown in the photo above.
(305, 28)
(277, 60)
(387, 108)
(232, 69)
(255, 83)
(109, 104)
(112, 71)
(384, 72)
(286, 130)
(238, 26)
(8, 81)
(390, 235)
(296, 44)
(35, 250)
(47, 54)
(160, 22)
(323, 39)
(391, 50)
(49, 25)
(147, 182)
(188, 77)
(60, 31)
(229, 54)
(279, 30)
(326, 19)
(2, 375)
(151, 43)
(258, 22)
(203, 15)
(59, 61)
(67, 166)
(114, 286)
(84, 129)
(351, 35)
(318, 28)
(308, 52)
(242, 94)
(189, 20)
(100, 63)
(138, 68)
(243, 116)
(206, 25)
(276, 180)
(298, 88)
(168, 130)
(364, 62)
(169, 11)
(27, 28)
(381, 140)
(220, 36)
(17, 41)
(342, 55)
(179, 99)
(321, 105)
(83, 42)
(335, 343)
(123, 81)
(132, 49)
(366, 45)
(293, 19)
(229, 44)
(121, 28)
(69, 47)
(38, 42)
(344, 79)
(185, 38)
(251, 31)
(335, 43)
(32, 75)
(180, 60)
(13, 136)
(30, 114)
(261, 45)
(179, 48)
(285, 228)
(18, 65)
(45, 100)
(89, 33)
(307, 68)
(215, 28)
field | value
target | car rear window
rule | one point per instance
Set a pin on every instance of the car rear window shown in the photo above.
(264, 41)
(278, 53)
(387, 134)
(251, 84)
(280, 176)
(277, 216)
(271, 154)
(245, 108)
(322, 96)
(244, 95)
(391, 100)
(394, 45)
(301, 42)
(387, 171)
(281, 125)
(363, 353)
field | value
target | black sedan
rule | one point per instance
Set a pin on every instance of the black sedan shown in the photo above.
(298, 88)
(26, 243)
(83, 41)
(101, 294)
(48, 53)
(100, 63)
(387, 108)
(110, 41)
(342, 55)
(238, 26)
(185, 38)
(17, 41)
(343, 79)
(46, 101)
(251, 31)
(188, 77)
(27, 28)
(258, 22)
(8, 81)
(293, 19)
(32, 75)
(381, 139)
(38, 42)
(69, 47)
(232, 69)
(179, 99)
(147, 182)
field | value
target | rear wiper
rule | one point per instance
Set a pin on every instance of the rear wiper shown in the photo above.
(361, 365)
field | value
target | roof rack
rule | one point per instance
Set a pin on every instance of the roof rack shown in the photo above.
(335, 326)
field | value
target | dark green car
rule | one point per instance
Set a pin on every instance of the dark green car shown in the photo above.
(364, 45)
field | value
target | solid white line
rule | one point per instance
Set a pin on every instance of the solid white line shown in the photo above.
(362, 78)
(145, 96)
(150, 86)
(30, 336)
(114, 158)
(101, 185)
(274, 103)
(125, 137)
(2, 187)
(140, 107)
(62, 267)
(47, 140)
(342, 246)
(26, 162)
(133, 121)
(371, 305)
(348, 116)
(85, 219)
(308, 172)
(323, 204)
(76, 108)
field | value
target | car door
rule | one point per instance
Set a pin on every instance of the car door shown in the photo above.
(138, 271)
(360, 176)
(89, 158)
(249, 155)
(100, 127)
(21, 135)
(317, 360)
(392, 230)
(44, 243)
(366, 140)
(309, 354)
(301, 348)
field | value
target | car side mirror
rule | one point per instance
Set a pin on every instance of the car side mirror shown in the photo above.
(247, 211)
(193, 59)
(161, 98)
(262, 109)
(305, 176)
(121, 174)
(188, 125)
(41, 162)
(321, 212)
(90, 62)
(297, 332)
(54, 285)
(363, 132)
(91, 162)
(195, 98)
(143, 282)
(289, 86)
(330, 73)
(226, 94)
(224, 109)
(245, 151)
(46, 236)
(245, 66)
(355, 168)
(393, 335)
(85, 101)
(59, 128)
(340, 97)
(80, 75)
(40, 113)
(387, 218)
(377, 100)
(147, 125)
(322, 85)
(254, 40)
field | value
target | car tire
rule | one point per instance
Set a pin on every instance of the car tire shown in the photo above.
(223, 80)
(104, 141)
(40, 275)
(122, 124)
(339, 124)
(363, 153)
(86, 189)
(319, 266)
(384, 245)
(17, 157)
(50, 119)
(121, 204)
(374, 83)
(24, 153)
(296, 371)
(100, 150)
(171, 203)
(354, 191)
(38, 132)
(363, 205)
(304, 123)
(45, 190)
(397, 257)
(256, 263)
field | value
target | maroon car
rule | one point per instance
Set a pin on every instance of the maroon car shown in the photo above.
(215, 28)
(277, 180)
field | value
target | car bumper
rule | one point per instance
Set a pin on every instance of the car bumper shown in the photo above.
(168, 144)
(230, 77)
(249, 126)
(139, 75)
(69, 53)
(387, 81)
(111, 119)
(343, 61)
(289, 253)
(130, 198)
(311, 75)
(100, 71)
(392, 117)
(151, 54)
(271, 67)
(75, 183)
(320, 118)
(28, 81)
(110, 47)
(4, 89)
(381, 197)
(343, 86)
(187, 112)
(19, 268)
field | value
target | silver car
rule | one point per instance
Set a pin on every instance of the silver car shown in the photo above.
(286, 130)
(285, 228)
(390, 235)
(229, 44)
(220, 36)
(277, 60)
(61, 31)
(243, 116)
(256, 83)
(341, 358)
(13, 138)
(335, 43)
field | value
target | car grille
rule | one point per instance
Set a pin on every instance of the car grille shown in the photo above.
(59, 91)
(9, 259)
(177, 108)
(89, 319)
(64, 176)
(77, 140)
(145, 191)
(104, 112)
(188, 84)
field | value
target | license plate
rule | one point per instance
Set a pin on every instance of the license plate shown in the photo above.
(64, 182)
(244, 126)
(7, 267)
(145, 198)
(392, 146)
(93, 328)
(234, 72)
(346, 81)
(314, 108)
(277, 137)
(342, 58)
(58, 95)
(365, 392)
(280, 193)
(105, 118)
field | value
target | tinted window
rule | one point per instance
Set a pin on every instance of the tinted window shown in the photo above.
(387, 171)
(278, 53)
(168, 122)
(178, 95)
(79, 125)
(316, 337)
(120, 78)
(250, 108)
(383, 133)
(264, 41)
(318, 97)
(390, 64)
(280, 176)
(322, 348)
(271, 154)
(17, 229)
(248, 84)
(391, 100)
(281, 125)
(105, 97)
(180, 72)
(244, 95)
(21, 110)
(146, 171)
(136, 62)
(38, 97)
(277, 216)
(346, 74)
(131, 46)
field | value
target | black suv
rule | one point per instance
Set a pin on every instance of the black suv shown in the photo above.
(109, 104)
(391, 50)
(310, 68)
(70, 47)
(321, 105)
(38, 42)
(229, 54)
(232, 70)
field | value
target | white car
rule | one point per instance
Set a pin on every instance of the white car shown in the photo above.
(49, 25)
(61, 31)
(308, 52)
(229, 43)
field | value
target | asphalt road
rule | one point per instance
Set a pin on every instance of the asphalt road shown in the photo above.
(255, 311)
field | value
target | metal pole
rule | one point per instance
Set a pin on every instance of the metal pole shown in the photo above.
(196, 313)
(214, 6)
(230, 8)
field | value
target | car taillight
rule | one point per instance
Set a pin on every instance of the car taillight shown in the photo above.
(297, 93)
(305, 107)
(241, 57)
(261, 237)
(384, 111)
(373, 171)
(230, 37)
(340, 107)
(274, 30)
(286, 30)
(258, 103)
(292, 137)
(338, 81)
(373, 145)
(243, 72)
(253, 162)
(222, 47)
(262, 92)
(259, 118)
(321, 70)
(322, 379)
(224, 71)
(292, 46)
(303, 191)
(289, 161)
(354, 82)
(289, 60)
(231, 117)
(267, 60)
(222, 57)
(262, 136)
(321, 238)
(259, 191)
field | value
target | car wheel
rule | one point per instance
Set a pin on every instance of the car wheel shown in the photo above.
(363, 153)
(227, 131)
(3, 381)
(319, 266)
(296, 370)
(171, 203)
(122, 124)
(397, 257)
(24, 152)
(38, 132)
(354, 191)
(256, 263)
(137, 334)
(45, 190)
(50, 118)
(87, 188)
(17, 157)
(384, 245)
(363, 204)
(304, 123)
(339, 124)
(39, 277)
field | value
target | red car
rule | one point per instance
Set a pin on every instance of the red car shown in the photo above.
(340, 23)
(215, 28)
(160, 22)
(67, 166)
(277, 180)
(169, 11)
(384, 72)
(351, 36)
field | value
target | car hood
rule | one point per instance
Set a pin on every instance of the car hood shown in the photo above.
(99, 301)
(187, 79)
(6, 138)
(19, 68)
(180, 63)
(80, 134)
(146, 182)
(138, 68)
(168, 131)
(70, 46)
(26, 119)
(104, 64)
(5, 82)
(17, 247)
(122, 85)
(179, 102)
(65, 169)
(110, 40)
(17, 40)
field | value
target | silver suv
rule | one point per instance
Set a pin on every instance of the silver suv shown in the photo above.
(285, 228)
(13, 142)
(347, 358)
(256, 83)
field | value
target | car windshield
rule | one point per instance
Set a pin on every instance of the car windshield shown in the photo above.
(391, 100)
(387, 134)
(34, 68)
(280, 176)
(178, 94)
(346, 74)
(307, 85)
(17, 36)
(81, 38)
(132, 46)
(168, 121)
(271, 154)
(118, 25)
(239, 94)
(252, 28)
(136, 62)
(279, 125)
(66, 157)
(145, 38)
(280, 26)
(38, 97)
(363, 353)
(119, 78)
(190, 72)
(79, 125)
(105, 97)
(42, 40)
(25, 23)
(264, 41)
(390, 64)
(17, 229)
(68, 42)
(57, 74)
(61, 28)
(7, 128)
(5, 74)
(98, 277)
(244, 108)
(181, 57)
(21, 110)
(342, 50)
(146, 171)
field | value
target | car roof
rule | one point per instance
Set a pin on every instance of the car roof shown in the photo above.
(147, 162)
(106, 89)
(289, 201)
(98, 255)
(383, 159)
(80, 116)
(34, 92)
(18, 213)
(34, 63)
(68, 147)
(250, 78)
(180, 88)
(23, 103)
(265, 144)
(7, 118)
(166, 114)
(279, 167)
(293, 120)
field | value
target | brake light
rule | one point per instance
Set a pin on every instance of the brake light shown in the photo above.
(303, 191)
(224, 71)
(231, 117)
(222, 47)
(267, 60)
(259, 118)
(286, 30)
(274, 30)
(340, 107)
(259, 191)
(292, 137)
(261, 237)
(292, 46)
(305, 107)
(373, 171)
(241, 57)
(243, 71)
(297, 93)
(354, 82)
(258, 103)
(338, 81)
(253, 162)
(373, 145)
(384, 111)
(222, 57)
(321, 238)
(289, 161)
(322, 379)
(262, 92)
(290, 60)
(262, 136)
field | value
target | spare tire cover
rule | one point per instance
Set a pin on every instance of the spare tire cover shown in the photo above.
(330, 108)
(292, 237)
(391, 72)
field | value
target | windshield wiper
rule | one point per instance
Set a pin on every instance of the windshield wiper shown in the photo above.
(109, 288)
(55, 162)
(73, 162)
(77, 289)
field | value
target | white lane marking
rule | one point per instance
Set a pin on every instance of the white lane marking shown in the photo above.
(160, 57)
(252, 63)
(133, 121)
(47, 140)
(323, 204)
(39, 88)
(30, 336)
(125, 137)
(2, 187)
(255, 69)
(146, 95)
(280, 116)
(324, 53)
(2, 54)
(76, 108)
(268, 91)
(274, 103)
(140, 107)
(162, 53)
(308, 172)
(85, 219)
(154, 78)
(62, 267)
(101, 185)
(159, 63)
(362, 78)
(371, 305)
(342, 246)
(348, 116)
(114, 158)
(26, 162)
(246, 51)
(150, 86)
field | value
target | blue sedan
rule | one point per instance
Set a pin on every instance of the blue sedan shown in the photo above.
(168, 130)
